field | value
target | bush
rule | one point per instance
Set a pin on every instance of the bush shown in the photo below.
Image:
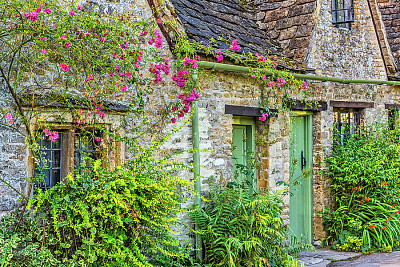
(101, 218)
(365, 175)
(242, 230)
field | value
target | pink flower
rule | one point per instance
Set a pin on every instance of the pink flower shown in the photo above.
(271, 83)
(173, 120)
(111, 74)
(159, 43)
(39, 9)
(44, 51)
(71, 13)
(219, 56)
(90, 77)
(47, 132)
(264, 77)
(80, 111)
(123, 89)
(154, 126)
(67, 44)
(143, 33)
(64, 38)
(10, 122)
(64, 67)
(124, 46)
(150, 42)
(263, 117)
(33, 16)
(89, 114)
(116, 67)
(102, 115)
(234, 46)
(43, 38)
(103, 39)
(159, 21)
(54, 136)
(253, 76)
(79, 7)
(47, 10)
(274, 64)
(98, 139)
(128, 75)
(9, 116)
(106, 33)
(260, 58)
(121, 74)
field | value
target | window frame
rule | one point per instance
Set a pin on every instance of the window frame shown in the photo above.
(353, 122)
(342, 6)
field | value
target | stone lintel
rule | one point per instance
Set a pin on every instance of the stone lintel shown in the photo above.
(303, 105)
(348, 104)
(245, 111)
(392, 106)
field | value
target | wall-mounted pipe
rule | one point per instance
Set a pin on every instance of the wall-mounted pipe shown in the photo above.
(233, 68)
(196, 165)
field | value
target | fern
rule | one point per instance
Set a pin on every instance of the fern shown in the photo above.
(239, 229)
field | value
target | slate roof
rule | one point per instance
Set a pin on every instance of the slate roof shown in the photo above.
(229, 19)
(390, 10)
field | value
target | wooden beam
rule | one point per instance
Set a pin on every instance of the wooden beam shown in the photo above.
(392, 106)
(245, 111)
(303, 105)
(348, 104)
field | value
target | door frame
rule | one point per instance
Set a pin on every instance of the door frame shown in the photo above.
(308, 115)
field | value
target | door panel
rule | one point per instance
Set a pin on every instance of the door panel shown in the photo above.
(239, 153)
(301, 177)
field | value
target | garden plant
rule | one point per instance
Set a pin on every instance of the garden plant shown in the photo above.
(364, 171)
(66, 64)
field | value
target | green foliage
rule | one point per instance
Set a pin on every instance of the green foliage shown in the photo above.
(365, 173)
(24, 245)
(114, 218)
(242, 230)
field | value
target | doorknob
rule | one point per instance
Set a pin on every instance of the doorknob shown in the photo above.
(303, 160)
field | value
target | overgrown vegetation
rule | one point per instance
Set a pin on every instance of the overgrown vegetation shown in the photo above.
(365, 175)
(242, 229)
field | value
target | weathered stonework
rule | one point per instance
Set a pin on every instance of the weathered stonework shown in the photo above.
(303, 30)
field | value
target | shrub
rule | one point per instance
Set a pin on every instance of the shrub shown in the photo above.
(365, 175)
(242, 230)
(102, 218)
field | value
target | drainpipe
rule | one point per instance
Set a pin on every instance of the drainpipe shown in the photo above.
(233, 68)
(196, 166)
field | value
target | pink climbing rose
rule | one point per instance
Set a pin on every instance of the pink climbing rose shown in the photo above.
(263, 117)
(234, 46)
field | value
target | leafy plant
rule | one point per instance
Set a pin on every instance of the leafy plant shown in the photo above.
(239, 229)
(365, 174)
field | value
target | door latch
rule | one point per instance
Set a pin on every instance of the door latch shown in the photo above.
(303, 161)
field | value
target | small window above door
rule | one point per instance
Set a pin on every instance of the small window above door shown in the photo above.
(342, 13)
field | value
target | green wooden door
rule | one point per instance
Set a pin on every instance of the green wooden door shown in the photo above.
(301, 176)
(242, 149)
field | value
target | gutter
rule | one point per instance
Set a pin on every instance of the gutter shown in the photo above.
(239, 69)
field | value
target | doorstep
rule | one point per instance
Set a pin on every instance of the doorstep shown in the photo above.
(321, 257)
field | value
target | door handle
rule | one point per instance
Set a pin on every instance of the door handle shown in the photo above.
(303, 160)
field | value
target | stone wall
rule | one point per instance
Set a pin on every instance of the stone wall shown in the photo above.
(351, 54)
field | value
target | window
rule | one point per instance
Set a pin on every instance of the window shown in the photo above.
(393, 117)
(347, 122)
(52, 163)
(342, 13)
(48, 163)
(243, 150)
(85, 152)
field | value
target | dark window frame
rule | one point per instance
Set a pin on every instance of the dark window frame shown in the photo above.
(342, 13)
(45, 160)
(347, 122)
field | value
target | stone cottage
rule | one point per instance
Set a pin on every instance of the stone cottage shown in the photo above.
(347, 39)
